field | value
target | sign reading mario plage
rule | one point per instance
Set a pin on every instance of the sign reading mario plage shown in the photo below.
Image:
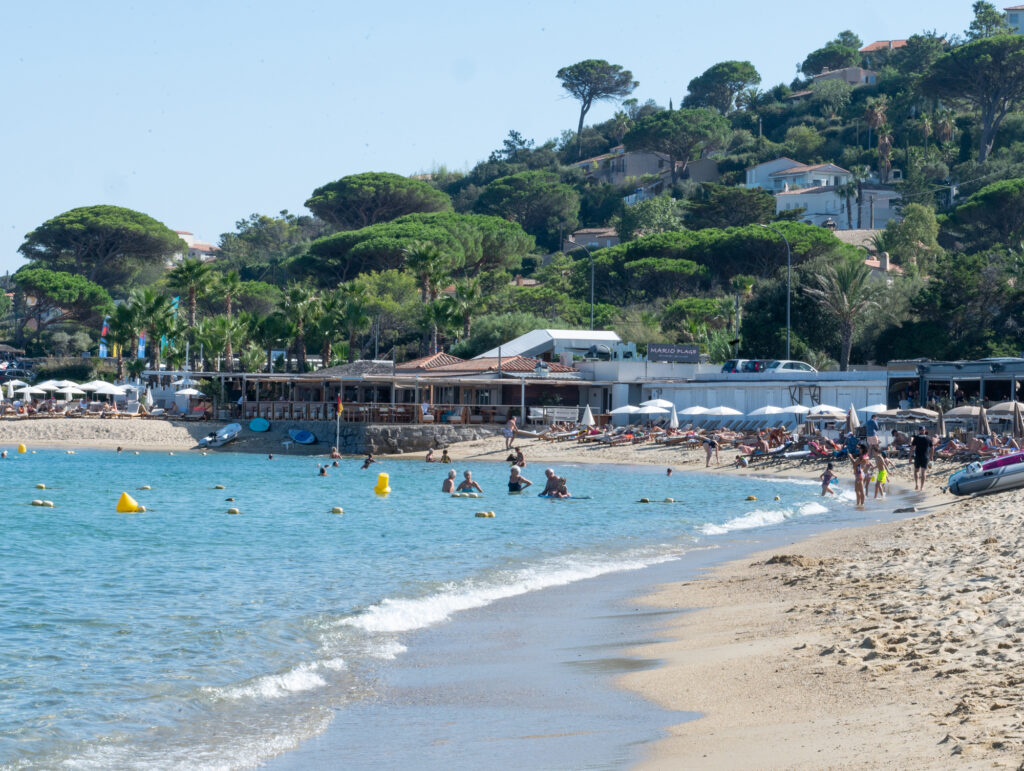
(666, 352)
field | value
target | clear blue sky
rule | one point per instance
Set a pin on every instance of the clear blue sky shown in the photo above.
(201, 113)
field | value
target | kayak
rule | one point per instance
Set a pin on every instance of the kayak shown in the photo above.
(259, 425)
(300, 436)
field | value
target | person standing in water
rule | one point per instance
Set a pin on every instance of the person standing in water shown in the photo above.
(826, 481)
(448, 486)
(516, 481)
(468, 484)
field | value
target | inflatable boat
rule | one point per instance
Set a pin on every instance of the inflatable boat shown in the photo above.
(991, 476)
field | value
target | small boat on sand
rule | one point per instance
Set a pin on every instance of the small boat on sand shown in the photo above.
(994, 475)
(221, 436)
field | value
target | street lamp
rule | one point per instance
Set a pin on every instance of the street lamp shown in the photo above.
(581, 246)
(789, 281)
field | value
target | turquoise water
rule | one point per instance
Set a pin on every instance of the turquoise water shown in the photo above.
(188, 637)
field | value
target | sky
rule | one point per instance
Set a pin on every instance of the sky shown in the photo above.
(202, 113)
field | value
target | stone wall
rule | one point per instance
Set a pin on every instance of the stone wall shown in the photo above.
(355, 438)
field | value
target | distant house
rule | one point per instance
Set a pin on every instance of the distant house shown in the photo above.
(1015, 18)
(623, 167)
(825, 206)
(883, 45)
(882, 268)
(855, 76)
(196, 249)
(785, 173)
(592, 238)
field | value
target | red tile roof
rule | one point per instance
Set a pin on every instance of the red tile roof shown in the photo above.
(508, 364)
(805, 169)
(439, 359)
(881, 45)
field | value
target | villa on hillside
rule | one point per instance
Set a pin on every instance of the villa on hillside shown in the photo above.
(196, 249)
(624, 167)
(854, 76)
(1015, 18)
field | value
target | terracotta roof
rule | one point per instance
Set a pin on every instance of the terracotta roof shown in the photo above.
(875, 264)
(798, 94)
(508, 364)
(439, 359)
(201, 247)
(1015, 8)
(881, 45)
(596, 231)
(184, 232)
(804, 169)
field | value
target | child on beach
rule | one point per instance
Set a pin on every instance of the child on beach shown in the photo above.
(826, 481)
(445, 458)
(882, 467)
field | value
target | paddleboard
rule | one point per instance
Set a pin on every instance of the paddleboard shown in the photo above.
(301, 436)
(259, 425)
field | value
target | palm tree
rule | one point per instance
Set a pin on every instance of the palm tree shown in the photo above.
(193, 277)
(251, 358)
(228, 286)
(327, 323)
(468, 301)
(353, 313)
(155, 315)
(299, 306)
(845, 292)
(875, 113)
(944, 127)
(211, 334)
(430, 265)
(268, 331)
(884, 152)
(122, 333)
(927, 128)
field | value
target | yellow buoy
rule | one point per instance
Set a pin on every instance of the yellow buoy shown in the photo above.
(485, 514)
(490, 513)
(234, 511)
(751, 497)
(40, 487)
(37, 502)
(337, 510)
(218, 487)
(127, 505)
(22, 448)
(778, 498)
(670, 500)
(382, 488)
(645, 500)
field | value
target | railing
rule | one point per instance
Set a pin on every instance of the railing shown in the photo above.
(376, 412)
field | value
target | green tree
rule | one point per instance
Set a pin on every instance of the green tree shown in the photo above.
(831, 96)
(914, 239)
(920, 53)
(991, 217)
(155, 316)
(365, 199)
(430, 265)
(261, 243)
(56, 298)
(805, 142)
(987, 22)
(718, 86)
(594, 80)
(988, 74)
(834, 55)
(544, 206)
(659, 214)
(468, 301)
(844, 292)
(682, 135)
(354, 313)
(299, 307)
(108, 245)
(721, 206)
(123, 334)
(228, 286)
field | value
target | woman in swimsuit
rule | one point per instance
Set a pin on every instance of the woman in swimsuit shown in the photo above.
(516, 481)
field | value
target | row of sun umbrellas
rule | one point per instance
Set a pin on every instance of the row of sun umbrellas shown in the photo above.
(68, 389)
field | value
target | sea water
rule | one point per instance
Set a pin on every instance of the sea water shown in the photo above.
(189, 637)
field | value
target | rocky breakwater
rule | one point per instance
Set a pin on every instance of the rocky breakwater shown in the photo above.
(413, 438)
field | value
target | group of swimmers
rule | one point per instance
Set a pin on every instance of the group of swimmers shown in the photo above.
(554, 487)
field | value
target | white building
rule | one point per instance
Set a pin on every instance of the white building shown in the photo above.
(552, 344)
(196, 249)
(785, 174)
(1015, 18)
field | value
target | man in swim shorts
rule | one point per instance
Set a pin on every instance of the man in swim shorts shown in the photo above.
(448, 486)
(516, 481)
(881, 471)
(509, 432)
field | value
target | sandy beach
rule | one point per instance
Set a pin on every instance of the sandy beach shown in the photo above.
(894, 645)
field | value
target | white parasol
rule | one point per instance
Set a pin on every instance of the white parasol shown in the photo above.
(694, 410)
(665, 404)
(873, 408)
(588, 417)
(149, 398)
(825, 409)
(768, 410)
(652, 410)
(109, 389)
(70, 391)
(30, 391)
(48, 385)
(625, 409)
(673, 422)
(188, 392)
(797, 409)
(722, 411)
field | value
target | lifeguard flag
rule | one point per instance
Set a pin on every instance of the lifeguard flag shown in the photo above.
(340, 408)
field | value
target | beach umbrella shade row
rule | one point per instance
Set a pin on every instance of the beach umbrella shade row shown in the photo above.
(722, 411)
(625, 409)
(767, 410)
(797, 409)
(694, 410)
(663, 403)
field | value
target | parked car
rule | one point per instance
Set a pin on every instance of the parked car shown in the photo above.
(745, 365)
(788, 365)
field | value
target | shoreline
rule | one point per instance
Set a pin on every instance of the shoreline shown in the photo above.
(891, 644)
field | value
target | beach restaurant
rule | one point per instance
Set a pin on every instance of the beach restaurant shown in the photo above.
(948, 384)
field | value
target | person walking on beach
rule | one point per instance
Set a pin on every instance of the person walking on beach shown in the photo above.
(826, 481)
(509, 432)
(468, 483)
(516, 481)
(448, 486)
(923, 452)
(711, 448)
(871, 431)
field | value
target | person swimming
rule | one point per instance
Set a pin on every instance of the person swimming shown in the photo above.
(323, 470)
(468, 483)
(369, 459)
(448, 486)
(516, 481)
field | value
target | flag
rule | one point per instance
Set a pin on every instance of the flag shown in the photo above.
(340, 408)
(103, 337)
(142, 345)
(164, 342)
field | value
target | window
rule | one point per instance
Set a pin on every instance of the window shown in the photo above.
(1013, 18)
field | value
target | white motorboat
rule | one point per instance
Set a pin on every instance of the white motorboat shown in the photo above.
(221, 436)
(991, 476)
